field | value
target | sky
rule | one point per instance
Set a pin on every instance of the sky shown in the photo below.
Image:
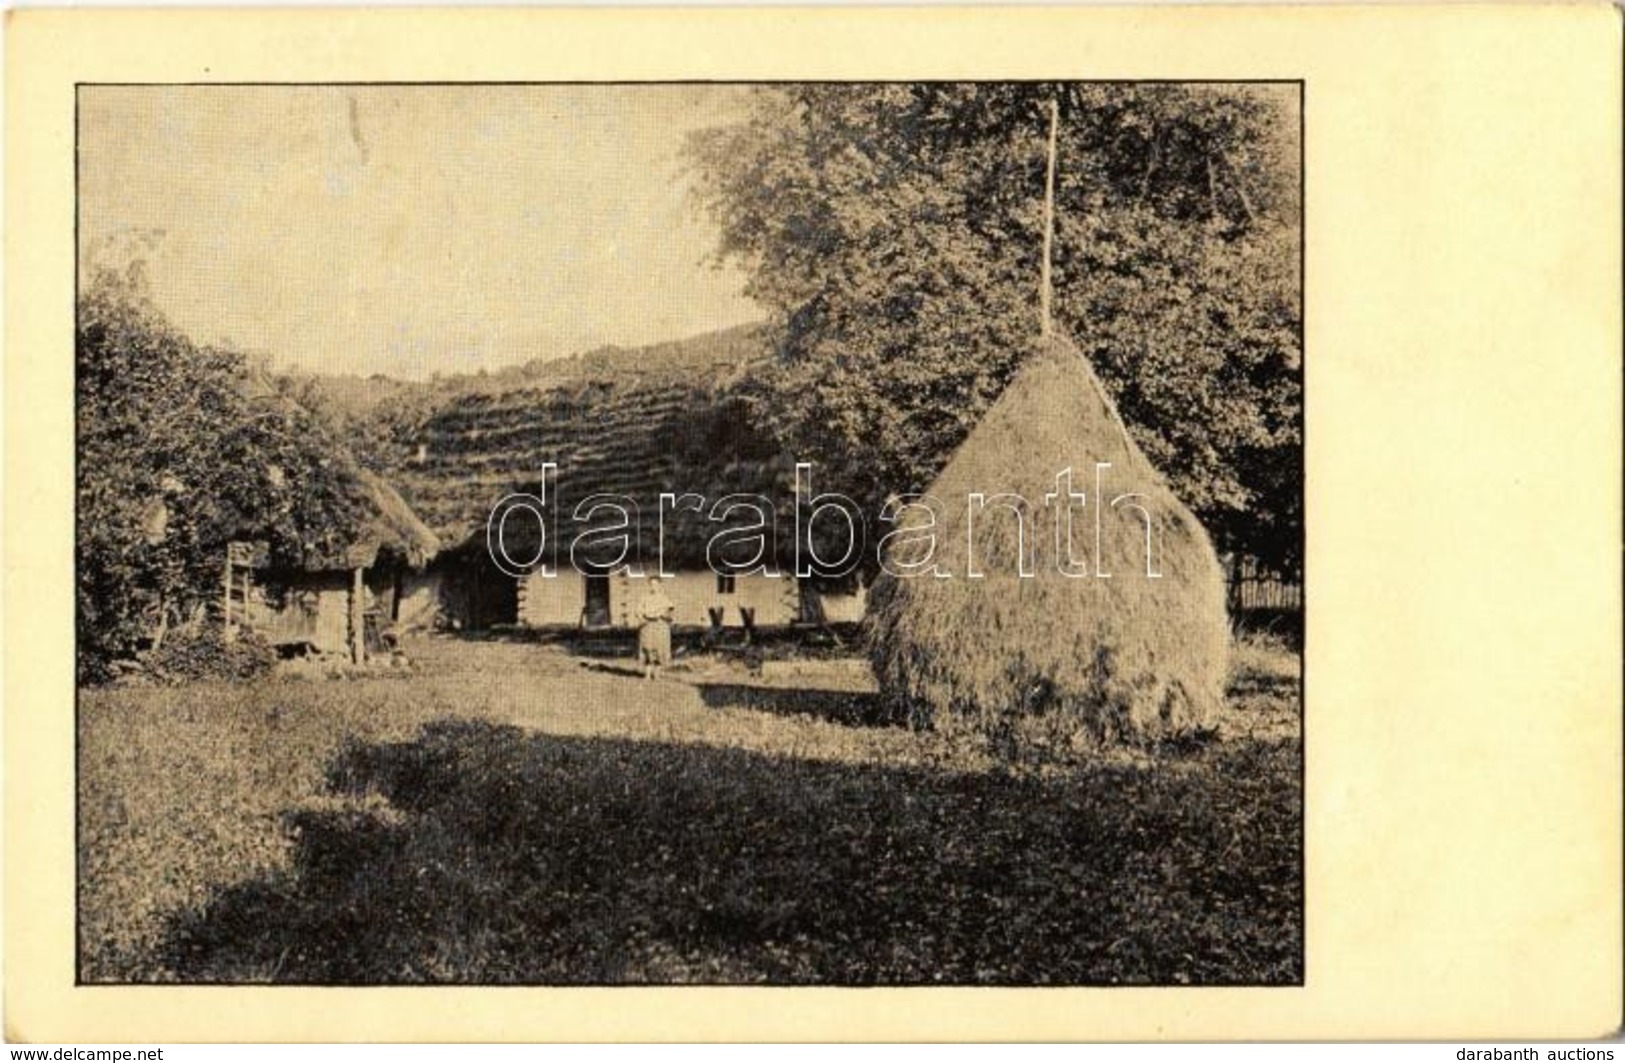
(408, 230)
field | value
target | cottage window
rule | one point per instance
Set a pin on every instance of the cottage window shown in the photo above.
(725, 584)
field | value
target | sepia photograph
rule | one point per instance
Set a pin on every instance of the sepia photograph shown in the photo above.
(690, 533)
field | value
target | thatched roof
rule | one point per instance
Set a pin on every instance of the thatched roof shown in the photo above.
(1057, 658)
(369, 520)
(388, 526)
(635, 435)
(382, 527)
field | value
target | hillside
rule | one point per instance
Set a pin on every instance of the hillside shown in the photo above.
(349, 396)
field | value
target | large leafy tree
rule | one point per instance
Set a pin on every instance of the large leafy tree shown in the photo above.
(895, 231)
(182, 448)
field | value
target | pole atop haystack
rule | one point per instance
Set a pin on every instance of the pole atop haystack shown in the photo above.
(1049, 222)
(1064, 657)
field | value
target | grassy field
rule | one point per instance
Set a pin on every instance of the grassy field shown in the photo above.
(511, 813)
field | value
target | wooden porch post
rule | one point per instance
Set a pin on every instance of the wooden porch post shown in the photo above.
(358, 637)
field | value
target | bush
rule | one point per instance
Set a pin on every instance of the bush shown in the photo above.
(182, 450)
(203, 653)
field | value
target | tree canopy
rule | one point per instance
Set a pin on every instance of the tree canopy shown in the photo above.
(182, 448)
(894, 231)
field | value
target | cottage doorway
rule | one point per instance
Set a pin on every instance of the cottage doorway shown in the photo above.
(596, 611)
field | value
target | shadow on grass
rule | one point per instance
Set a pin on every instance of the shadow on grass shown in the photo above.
(848, 707)
(630, 668)
(503, 856)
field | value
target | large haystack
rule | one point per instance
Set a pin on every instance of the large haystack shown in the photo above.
(1053, 660)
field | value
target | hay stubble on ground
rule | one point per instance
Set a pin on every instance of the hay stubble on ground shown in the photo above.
(505, 814)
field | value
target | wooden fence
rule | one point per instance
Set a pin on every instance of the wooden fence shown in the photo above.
(1254, 588)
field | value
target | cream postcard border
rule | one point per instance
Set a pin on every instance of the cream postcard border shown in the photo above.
(1463, 419)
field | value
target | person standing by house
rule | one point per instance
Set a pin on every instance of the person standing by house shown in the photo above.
(654, 629)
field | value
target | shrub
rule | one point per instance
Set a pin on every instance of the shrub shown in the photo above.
(203, 653)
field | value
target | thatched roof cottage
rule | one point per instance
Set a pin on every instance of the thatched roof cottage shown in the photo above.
(334, 597)
(631, 435)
